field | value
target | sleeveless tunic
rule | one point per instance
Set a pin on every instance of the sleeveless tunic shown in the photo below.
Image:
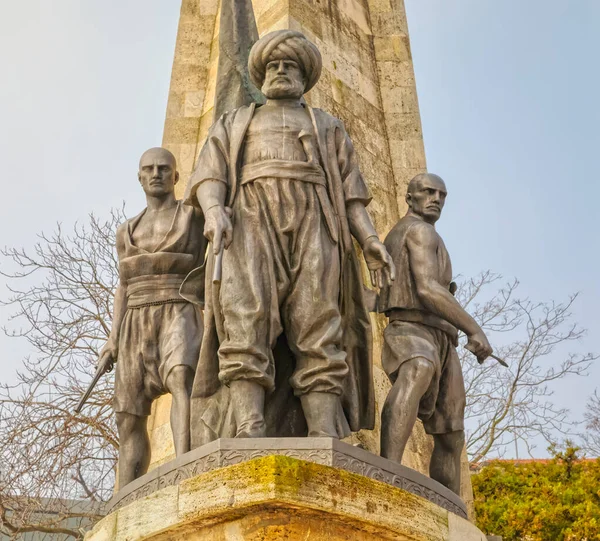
(160, 329)
(400, 300)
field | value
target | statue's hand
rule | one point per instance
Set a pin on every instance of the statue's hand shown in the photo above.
(218, 228)
(379, 262)
(479, 346)
(108, 357)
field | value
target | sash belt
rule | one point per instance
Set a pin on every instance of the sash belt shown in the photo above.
(304, 171)
(153, 290)
(426, 318)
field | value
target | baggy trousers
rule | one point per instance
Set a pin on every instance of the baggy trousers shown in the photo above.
(281, 274)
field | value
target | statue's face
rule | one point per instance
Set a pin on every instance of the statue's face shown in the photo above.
(283, 80)
(157, 174)
(427, 198)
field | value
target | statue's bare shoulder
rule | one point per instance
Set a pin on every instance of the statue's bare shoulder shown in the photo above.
(122, 231)
(422, 236)
(410, 233)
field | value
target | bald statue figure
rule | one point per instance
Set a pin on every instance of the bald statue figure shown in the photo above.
(156, 334)
(419, 353)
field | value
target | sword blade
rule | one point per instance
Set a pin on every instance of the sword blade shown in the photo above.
(88, 392)
(501, 361)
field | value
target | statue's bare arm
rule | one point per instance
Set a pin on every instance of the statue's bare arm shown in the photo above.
(119, 309)
(109, 353)
(218, 229)
(211, 193)
(422, 243)
(378, 260)
(359, 221)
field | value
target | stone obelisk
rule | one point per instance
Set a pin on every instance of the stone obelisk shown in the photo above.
(368, 81)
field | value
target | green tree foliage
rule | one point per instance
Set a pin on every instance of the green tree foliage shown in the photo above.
(553, 500)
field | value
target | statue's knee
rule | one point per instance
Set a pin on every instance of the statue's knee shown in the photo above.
(458, 439)
(452, 441)
(179, 379)
(420, 369)
(128, 425)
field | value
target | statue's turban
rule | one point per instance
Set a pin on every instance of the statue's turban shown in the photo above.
(285, 45)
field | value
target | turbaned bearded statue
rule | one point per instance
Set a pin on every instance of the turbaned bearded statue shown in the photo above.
(287, 338)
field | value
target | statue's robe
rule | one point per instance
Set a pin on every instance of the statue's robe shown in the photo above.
(212, 416)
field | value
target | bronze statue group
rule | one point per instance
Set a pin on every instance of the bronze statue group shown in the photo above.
(245, 301)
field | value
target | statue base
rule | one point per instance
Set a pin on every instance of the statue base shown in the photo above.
(280, 496)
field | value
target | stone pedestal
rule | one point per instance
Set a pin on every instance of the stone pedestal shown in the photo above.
(304, 489)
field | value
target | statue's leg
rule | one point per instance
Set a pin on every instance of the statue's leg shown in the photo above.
(250, 308)
(446, 458)
(401, 407)
(248, 399)
(320, 411)
(134, 447)
(447, 424)
(313, 323)
(179, 383)
(132, 401)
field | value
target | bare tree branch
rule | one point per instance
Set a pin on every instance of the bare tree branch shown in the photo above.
(514, 404)
(61, 295)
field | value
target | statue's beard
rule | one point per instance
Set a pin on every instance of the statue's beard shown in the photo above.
(282, 90)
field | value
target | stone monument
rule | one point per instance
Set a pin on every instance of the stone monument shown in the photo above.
(284, 354)
(367, 81)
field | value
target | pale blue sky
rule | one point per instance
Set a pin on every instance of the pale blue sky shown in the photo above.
(508, 93)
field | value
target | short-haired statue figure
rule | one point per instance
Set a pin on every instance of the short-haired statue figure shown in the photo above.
(156, 333)
(419, 352)
(286, 327)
